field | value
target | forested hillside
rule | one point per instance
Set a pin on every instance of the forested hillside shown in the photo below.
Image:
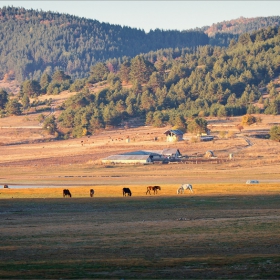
(165, 87)
(33, 42)
(241, 25)
(221, 33)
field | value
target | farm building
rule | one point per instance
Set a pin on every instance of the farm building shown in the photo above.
(144, 159)
(157, 154)
(143, 156)
(171, 153)
(152, 154)
(206, 138)
(174, 135)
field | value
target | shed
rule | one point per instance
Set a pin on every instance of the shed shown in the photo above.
(206, 138)
(174, 135)
(172, 153)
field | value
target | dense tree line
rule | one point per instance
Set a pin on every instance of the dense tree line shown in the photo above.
(33, 42)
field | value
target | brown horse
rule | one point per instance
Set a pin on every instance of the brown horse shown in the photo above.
(153, 188)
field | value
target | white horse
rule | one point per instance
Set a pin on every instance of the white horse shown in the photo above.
(184, 187)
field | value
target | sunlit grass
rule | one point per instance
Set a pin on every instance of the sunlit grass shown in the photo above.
(140, 190)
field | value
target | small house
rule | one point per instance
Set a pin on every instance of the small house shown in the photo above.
(174, 135)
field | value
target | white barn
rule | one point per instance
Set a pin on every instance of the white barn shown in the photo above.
(142, 156)
(143, 159)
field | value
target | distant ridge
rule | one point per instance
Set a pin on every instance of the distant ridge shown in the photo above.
(241, 25)
(34, 41)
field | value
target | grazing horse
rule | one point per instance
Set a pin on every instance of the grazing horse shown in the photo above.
(6, 186)
(66, 192)
(184, 187)
(91, 192)
(152, 188)
(127, 191)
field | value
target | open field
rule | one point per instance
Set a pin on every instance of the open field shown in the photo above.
(29, 157)
(225, 229)
(227, 232)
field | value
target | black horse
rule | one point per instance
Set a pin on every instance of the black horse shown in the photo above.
(91, 192)
(126, 191)
(66, 192)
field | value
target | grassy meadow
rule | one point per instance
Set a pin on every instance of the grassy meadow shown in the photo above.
(140, 190)
(226, 231)
(186, 236)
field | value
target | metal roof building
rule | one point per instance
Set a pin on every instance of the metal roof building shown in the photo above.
(142, 156)
(144, 159)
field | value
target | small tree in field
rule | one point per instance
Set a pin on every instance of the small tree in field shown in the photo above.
(41, 118)
(13, 107)
(197, 126)
(248, 119)
(50, 125)
(275, 133)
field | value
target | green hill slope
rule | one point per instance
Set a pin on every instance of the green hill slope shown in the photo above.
(35, 41)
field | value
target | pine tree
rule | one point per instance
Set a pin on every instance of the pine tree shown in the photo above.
(3, 98)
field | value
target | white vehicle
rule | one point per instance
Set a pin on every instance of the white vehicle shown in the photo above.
(252, 182)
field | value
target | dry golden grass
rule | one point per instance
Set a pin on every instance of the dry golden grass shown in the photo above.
(140, 191)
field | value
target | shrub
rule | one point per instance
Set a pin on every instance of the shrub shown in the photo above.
(248, 119)
(275, 133)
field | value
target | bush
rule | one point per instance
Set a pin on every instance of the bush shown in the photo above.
(275, 133)
(248, 119)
